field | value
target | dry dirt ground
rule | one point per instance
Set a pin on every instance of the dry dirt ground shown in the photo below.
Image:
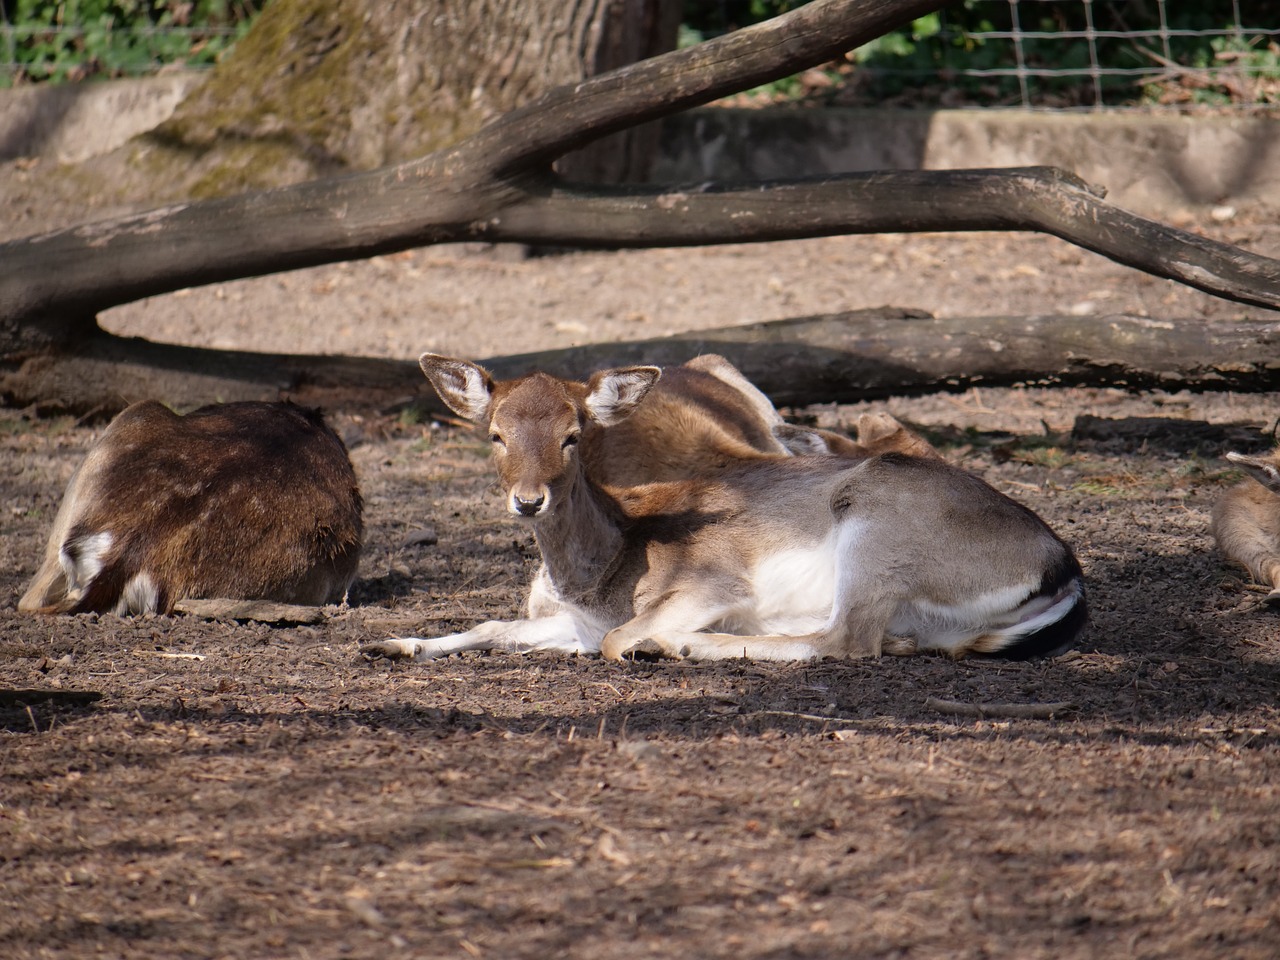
(252, 790)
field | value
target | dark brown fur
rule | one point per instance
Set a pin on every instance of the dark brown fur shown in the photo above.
(242, 500)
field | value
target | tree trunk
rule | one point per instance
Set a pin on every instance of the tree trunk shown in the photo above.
(843, 358)
(320, 87)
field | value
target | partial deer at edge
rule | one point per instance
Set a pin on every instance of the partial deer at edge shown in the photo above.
(247, 501)
(784, 558)
(1246, 520)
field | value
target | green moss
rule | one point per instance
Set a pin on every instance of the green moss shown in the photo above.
(246, 165)
(309, 91)
(296, 67)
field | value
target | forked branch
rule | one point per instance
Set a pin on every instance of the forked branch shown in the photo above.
(498, 186)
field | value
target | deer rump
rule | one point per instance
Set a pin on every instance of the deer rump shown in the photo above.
(796, 557)
(844, 556)
(246, 501)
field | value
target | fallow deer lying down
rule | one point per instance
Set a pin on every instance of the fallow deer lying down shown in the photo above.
(787, 558)
(1246, 520)
(249, 501)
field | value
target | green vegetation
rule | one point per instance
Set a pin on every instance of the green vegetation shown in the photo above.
(949, 57)
(945, 58)
(66, 40)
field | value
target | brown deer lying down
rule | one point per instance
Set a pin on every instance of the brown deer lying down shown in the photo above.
(788, 557)
(250, 501)
(1246, 520)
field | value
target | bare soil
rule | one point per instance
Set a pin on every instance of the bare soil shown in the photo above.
(255, 790)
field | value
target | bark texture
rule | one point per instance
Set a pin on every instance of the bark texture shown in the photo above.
(842, 358)
(319, 87)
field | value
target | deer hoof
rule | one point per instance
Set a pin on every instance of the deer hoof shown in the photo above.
(392, 649)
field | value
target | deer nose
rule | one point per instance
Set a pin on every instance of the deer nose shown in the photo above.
(528, 508)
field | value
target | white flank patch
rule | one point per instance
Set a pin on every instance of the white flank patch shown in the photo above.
(795, 588)
(87, 564)
(139, 596)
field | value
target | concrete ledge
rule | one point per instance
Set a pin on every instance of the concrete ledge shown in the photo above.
(1154, 164)
(75, 121)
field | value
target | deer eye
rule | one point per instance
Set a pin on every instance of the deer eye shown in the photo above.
(569, 441)
(496, 437)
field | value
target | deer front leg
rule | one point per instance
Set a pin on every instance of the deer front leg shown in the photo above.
(561, 633)
(682, 611)
(729, 646)
(857, 631)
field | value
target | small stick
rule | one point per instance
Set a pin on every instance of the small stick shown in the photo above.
(814, 717)
(264, 611)
(1019, 711)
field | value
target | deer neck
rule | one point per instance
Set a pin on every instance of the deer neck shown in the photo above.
(581, 541)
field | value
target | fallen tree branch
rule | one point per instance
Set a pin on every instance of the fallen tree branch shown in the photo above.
(838, 358)
(261, 611)
(1040, 199)
(870, 354)
(1007, 711)
(498, 185)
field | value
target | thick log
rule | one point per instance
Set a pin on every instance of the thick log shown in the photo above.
(870, 354)
(841, 358)
(116, 262)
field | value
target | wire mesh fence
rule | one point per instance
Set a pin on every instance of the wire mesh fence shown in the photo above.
(1089, 55)
(1034, 54)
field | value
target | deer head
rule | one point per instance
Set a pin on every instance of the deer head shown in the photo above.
(535, 422)
(1265, 469)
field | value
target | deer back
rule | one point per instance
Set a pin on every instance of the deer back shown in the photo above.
(243, 500)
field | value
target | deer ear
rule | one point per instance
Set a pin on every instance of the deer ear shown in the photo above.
(1262, 469)
(614, 394)
(464, 387)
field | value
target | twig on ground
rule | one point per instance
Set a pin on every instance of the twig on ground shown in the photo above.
(1018, 711)
(816, 717)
